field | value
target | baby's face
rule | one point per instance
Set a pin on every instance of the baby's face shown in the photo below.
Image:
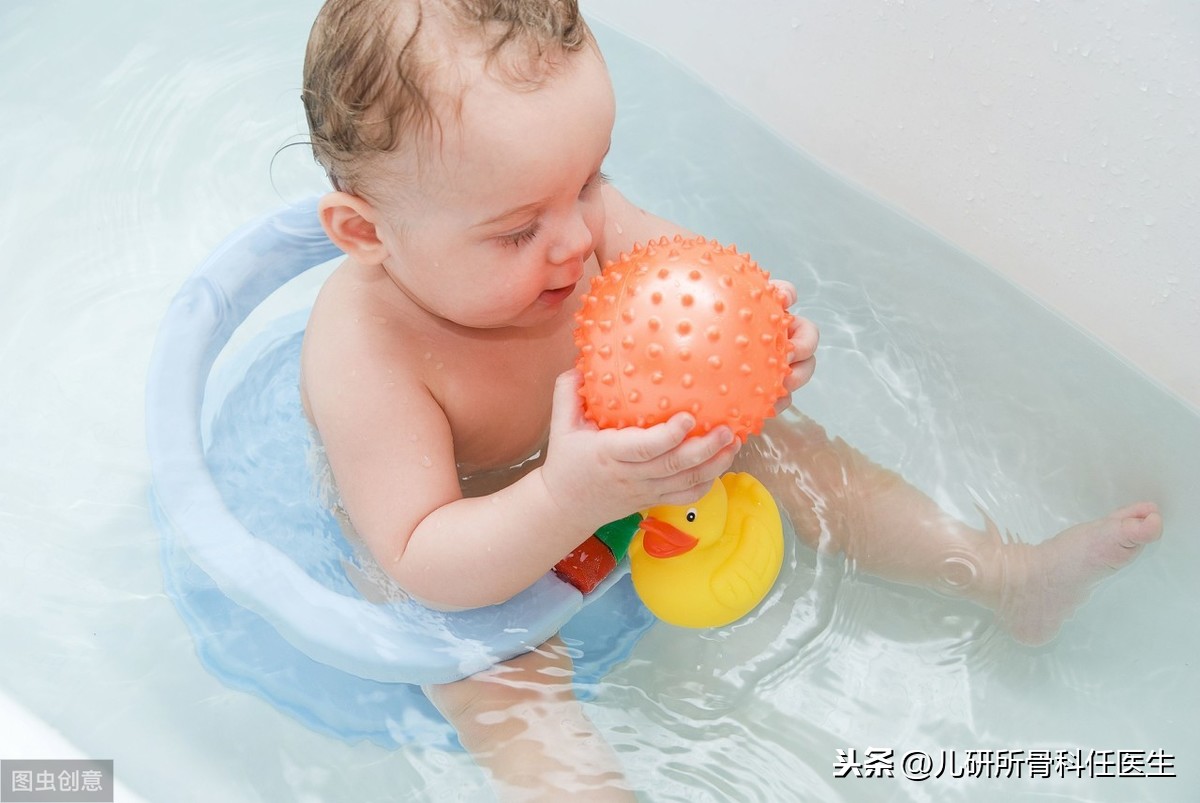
(502, 224)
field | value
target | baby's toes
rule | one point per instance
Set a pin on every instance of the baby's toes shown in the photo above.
(1141, 527)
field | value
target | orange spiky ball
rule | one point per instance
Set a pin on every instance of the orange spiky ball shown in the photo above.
(683, 326)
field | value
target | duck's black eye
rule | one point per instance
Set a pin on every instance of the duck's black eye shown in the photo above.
(691, 514)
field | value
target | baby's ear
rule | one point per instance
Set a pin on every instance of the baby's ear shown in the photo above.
(350, 222)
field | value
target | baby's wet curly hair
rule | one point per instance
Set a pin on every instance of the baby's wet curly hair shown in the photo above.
(373, 67)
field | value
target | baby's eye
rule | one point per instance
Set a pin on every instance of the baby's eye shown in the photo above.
(594, 182)
(519, 238)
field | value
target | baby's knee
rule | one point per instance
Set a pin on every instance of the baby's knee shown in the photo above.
(512, 692)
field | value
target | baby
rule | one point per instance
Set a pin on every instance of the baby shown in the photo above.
(464, 140)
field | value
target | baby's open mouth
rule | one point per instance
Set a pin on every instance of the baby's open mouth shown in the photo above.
(557, 295)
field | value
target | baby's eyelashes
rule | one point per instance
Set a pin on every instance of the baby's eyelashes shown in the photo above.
(599, 179)
(521, 237)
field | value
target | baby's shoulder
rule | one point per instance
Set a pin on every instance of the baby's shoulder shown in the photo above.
(362, 303)
(354, 327)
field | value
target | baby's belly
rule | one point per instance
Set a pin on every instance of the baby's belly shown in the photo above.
(481, 482)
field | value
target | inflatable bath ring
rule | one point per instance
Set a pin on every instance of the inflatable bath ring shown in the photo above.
(296, 632)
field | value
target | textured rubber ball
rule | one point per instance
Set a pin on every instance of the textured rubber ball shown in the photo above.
(683, 325)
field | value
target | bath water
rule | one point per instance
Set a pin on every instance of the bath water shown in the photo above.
(141, 133)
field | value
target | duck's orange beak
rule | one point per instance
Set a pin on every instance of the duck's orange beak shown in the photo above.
(662, 540)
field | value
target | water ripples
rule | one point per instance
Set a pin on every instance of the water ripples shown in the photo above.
(158, 131)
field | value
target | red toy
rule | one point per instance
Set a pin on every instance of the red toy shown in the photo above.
(594, 559)
(683, 325)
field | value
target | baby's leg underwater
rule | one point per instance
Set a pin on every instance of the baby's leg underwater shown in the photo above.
(840, 501)
(1044, 583)
(521, 722)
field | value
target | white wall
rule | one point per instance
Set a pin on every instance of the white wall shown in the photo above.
(1058, 141)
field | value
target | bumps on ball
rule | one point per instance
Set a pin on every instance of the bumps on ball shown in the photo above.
(683, 326)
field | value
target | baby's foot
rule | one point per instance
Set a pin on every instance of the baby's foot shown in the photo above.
(1044, 583)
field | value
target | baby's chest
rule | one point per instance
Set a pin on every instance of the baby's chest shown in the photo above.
(499, 408)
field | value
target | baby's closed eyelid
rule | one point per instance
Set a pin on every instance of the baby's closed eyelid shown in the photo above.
(597, 180)
(520, 237)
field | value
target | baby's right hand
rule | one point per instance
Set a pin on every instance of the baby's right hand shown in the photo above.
(605, 474)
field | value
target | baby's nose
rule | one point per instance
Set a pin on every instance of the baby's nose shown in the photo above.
(574, 241)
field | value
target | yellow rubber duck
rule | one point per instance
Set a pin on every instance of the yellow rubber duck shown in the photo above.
(709, 564)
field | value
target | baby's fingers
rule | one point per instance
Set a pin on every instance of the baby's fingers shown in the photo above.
(788, 289)
(805, 337)
(637, 445)
(802, 359)
(798, 378)
(693, 453)
(695, 468)
(566, 412)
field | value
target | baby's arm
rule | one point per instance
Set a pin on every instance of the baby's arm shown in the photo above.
(390, 448)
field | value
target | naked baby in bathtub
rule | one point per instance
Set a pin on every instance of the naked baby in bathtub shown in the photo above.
(464, 142)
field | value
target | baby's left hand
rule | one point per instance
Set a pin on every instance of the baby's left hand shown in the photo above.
(803, 356)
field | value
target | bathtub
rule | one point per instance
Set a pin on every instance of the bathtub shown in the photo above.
(138, 151)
